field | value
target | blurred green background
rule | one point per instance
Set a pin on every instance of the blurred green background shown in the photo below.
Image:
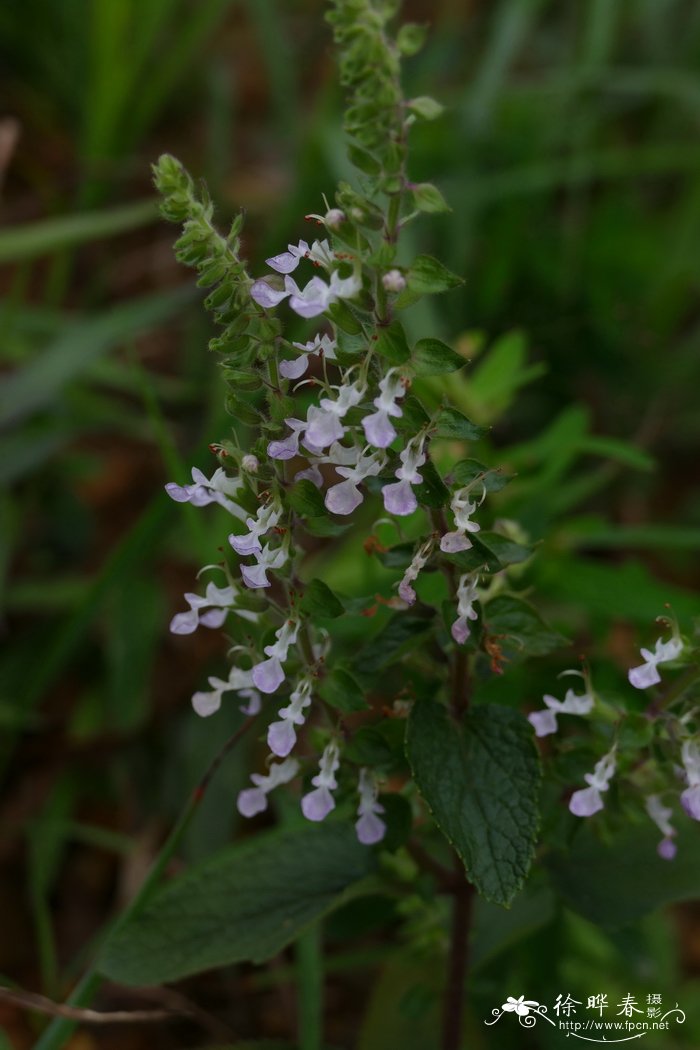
(569, 152)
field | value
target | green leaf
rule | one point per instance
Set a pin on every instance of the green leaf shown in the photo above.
(481, 783)
(306, 501)
(522, 630)
(51, 235)
(427, 198)
(425, 277)
(501, 372)
(432, 491)
(618, 883)
(410, 38)
(414, 416)
(492, 478)
(392, 344)
(426, 107)
(320, 601)
(431, 358)
(398, 635)
(342, 316)
(243, 905)
(452, 424)
(363, 161)
(343, 692)
(324, 526)
(507, 551)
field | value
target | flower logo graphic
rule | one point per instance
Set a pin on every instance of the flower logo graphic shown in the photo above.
(520, 1006)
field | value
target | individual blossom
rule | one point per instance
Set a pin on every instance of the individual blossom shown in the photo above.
(269, 674)
(420, 558)
(209, 610)
(379, 430)
(647, 674)
(310, 301)
(267, 518)
(288, 447)
(661, 815)
(320, 345)
(344, 497)
(220, 488)
(250, 463)
(241, 682)
(520, 1006)
(318, 803)
(587, 801)
(369, 826)
(319, 253)
(462, 509)
(282, 735)
(690, 798)
(332, 220)
(393, 281)
(545, 721)
(399, 497)
(324, 420)
(466, 596)
(255, 576)
(254, 800)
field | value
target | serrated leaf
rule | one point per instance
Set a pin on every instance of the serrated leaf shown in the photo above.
(426, 107)
(432, 491)
(392, 344)
(427, 198)
(432, 358)
(320, 601)
(306, 501)
(492, 478)
(481, 782)
(452, 424)
(522, 631)
(507, 551)
(342, 691)
(426, 276)
(342, 316)
(401, 631)
(243, 905)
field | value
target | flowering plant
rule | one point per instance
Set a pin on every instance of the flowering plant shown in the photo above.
(388, 718)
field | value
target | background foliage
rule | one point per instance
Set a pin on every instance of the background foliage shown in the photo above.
(567, 153)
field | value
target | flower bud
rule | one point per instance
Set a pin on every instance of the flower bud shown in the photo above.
(394, 281)
(334, 218)
(250, 463)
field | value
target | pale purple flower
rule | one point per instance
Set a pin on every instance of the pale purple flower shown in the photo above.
(344, 497)
(318, 804)
(406, 591)
(466, 596)
(208, 611)
(394, 281)
(250, 463)
(462, 509)
(379, 430)
(319, 345)
(265, 295)
(661, 815)
(311, 473)
(646, 674)
(587, 801)
(241, 682)
(255, 576)
(399, 497)
(288, 261)
(690, 799)
(269, 674)
(282, 735)
(317, 296)
(220, 488)
(370, 827)
(267, 518)
(254, 800)
(324, 420)
(545, 721)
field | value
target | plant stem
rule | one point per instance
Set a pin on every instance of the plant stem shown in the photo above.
(61, 1028)
(309, 954)
(457, 962)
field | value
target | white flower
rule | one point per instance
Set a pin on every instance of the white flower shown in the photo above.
(587, 801)
(399, 497)
(545, 721)
(406, 591)
(394, 281)
(379, 430)
(267, 518)
(282, 735)
(344, 497)
(220, 488)
(462, 510)
(646, 674)
(318, 803)
(320, 345)
(254, 800)
(370, 827)
(207, 703)
(661, 815)
(216, 601)
(466, 596)
(255, 576)
(690, 799)
(269, 674)
(324, 420)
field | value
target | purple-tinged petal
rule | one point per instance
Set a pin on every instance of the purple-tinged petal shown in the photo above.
(281, 738)
(453, 542)
(317, 804)
(265, 295)
(586, 802)
(460, 630)
(284, 263)
(268, 675)
(666, 849)
(287, 448)
(206, 704)
(312, 474)
(254, 576)
(184, 622)
(251, 801)
(213, 618)
(644, 676)
(324, 428)
(294, 369)
(407, 593)
(370, 829)
(245, 545)
(254, 705)
(343, 498)
(543, 722)
(690, 800)
(180, 493)
(379, 431)
(399, 498)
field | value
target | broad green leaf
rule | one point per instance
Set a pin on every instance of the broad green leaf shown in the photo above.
(306, 501)
(507, 551)
(245, 904)
(432, 491)
(392, 344)
(492, 478)
(363, 160)
(427, 198)
(431, 358)
(342, 691)
(481, 782)
(319, 601)
(617, 883)
(497, 377)
(452, 424)
(520, 628)
(427, 276)
(323, 526)
(399, 634)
